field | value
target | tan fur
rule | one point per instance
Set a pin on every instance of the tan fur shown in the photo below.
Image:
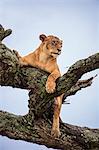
(45, 57)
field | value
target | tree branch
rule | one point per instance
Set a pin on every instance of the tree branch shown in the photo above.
(36, 125)
(4, 33)
(19, 128)
(78, 86)
(31, 78)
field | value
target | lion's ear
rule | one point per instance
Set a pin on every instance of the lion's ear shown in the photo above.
(42, 37)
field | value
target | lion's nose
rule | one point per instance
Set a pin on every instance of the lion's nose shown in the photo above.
(59, 50)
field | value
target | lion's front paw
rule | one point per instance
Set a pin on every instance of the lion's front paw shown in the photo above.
(55, 133)
(50, 86)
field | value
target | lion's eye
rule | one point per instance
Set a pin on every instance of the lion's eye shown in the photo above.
(53, 43)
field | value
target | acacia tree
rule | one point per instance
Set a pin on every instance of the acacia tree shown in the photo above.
(36, 126)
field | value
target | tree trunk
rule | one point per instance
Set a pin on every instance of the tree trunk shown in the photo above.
(36, 126)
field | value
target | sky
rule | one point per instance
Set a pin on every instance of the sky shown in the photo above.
(76, 22)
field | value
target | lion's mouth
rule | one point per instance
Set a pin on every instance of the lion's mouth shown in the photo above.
(56, 53)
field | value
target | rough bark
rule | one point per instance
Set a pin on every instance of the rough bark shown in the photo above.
(35, 126)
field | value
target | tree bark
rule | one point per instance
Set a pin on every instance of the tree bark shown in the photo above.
(36, 126)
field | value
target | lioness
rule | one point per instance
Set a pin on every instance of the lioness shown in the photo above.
(45, 57)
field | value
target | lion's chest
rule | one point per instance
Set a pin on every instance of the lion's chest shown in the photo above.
(43, 58)
(47, 62)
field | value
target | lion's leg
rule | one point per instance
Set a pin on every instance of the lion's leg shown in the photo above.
(57, 108)
(22, 61)
(51, 81)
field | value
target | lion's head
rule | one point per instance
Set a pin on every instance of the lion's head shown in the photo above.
(51, 45)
